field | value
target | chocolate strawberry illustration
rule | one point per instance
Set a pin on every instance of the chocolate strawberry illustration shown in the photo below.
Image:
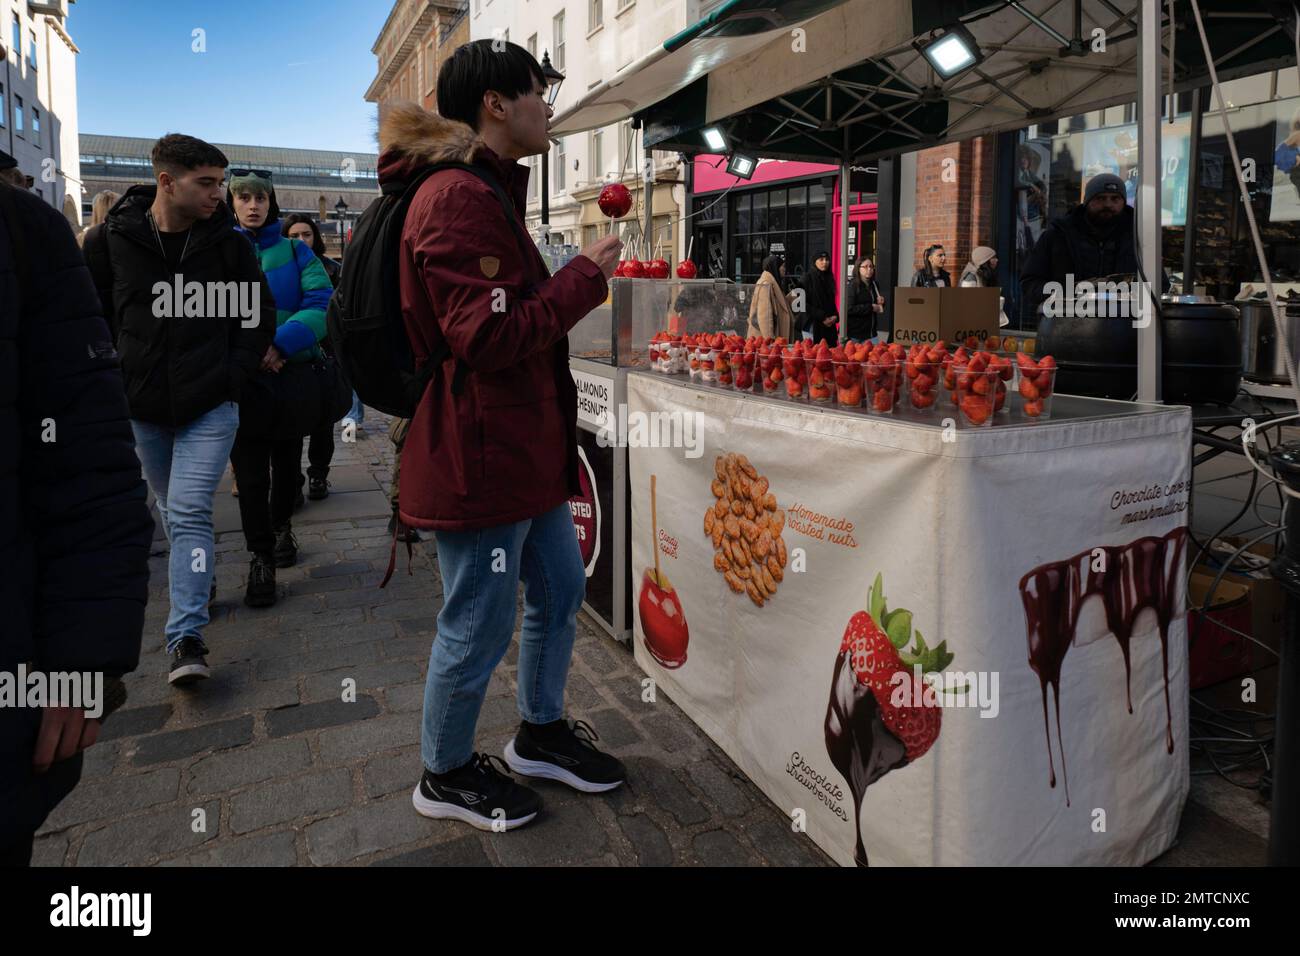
(878, 718)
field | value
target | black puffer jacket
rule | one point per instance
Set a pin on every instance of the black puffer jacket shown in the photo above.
(1070, 246)
(74, 526)
(176, 369)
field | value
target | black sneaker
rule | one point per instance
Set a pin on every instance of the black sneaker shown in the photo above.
(286, 547)
(317, 489)
(261, 581)
(479, 794)
(566, 754)
(189, 662)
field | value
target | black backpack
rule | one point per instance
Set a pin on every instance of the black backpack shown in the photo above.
(364, 317)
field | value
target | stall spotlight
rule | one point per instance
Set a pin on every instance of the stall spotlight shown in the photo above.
(714, 139)
(951, 51)
(741, 166)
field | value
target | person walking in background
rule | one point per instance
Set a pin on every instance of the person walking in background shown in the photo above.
(184, 374)
(490, 458)
(982, 270)
(865, 301)
(821, 314)
(268, 460)
(932, 274)
(769, 310)
(74, 522)
(320, 444)
(99, 207)
(10, 173)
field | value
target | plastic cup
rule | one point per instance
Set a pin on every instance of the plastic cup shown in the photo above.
(1034, 392)
(722, 365)
(708, 365)
(794, 370)
(881, 378)
(771, 374)
(976, 392)
(849, 389)
(821, 381)
(924, 379)
(742, 370)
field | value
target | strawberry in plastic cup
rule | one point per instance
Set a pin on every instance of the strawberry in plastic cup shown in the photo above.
(769, 364)
(722, 365)
(1036, 386)
(977, 389)
(881, 374)
(848, 383)
(924, 367)
(794, 372)
(742, 366)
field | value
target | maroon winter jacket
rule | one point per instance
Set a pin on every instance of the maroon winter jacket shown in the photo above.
(505, 448)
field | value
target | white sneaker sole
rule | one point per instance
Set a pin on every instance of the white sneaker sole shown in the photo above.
(437, 810)
(189, 674)
(549, 771)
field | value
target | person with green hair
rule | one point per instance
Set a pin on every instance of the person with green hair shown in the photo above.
(267, 461)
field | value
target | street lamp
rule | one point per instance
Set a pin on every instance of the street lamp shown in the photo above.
(553, 80)
(341, 207)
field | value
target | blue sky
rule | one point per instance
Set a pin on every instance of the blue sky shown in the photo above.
(275, 74)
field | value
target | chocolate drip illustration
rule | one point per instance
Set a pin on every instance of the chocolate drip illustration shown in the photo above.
(859, 745)
(1142, 575)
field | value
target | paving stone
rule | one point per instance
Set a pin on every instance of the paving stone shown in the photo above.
(615, 730)
(567, 833)
(135, 720)
(342, 744)
(50, 850)
(264, 849)
(599, 660)
(338, 568)
(580, 697)
(781, 846)
(669, 731)
(408, 608)
(325, 713)
(464, 851)
(651, 779)
(720, 787)
(277, 801)
(393, 772)
(99, 759)
(720, 848)
(326, 658)
(359, 595)
(142, 838)
(114, 796)
(374, 826)
(237, 697)
(329, 636)
(498, 714)
(405, 697)
(238, 768)
(367, 677)
(651, 845)
(341, 584)
(176, 744)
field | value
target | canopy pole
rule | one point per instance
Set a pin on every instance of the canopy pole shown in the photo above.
(1148, 201)
(648, 184)
(846, 262)
(1193, 195)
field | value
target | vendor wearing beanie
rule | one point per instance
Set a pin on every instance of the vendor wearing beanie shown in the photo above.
(982, 270)
(267, 462)
(1094, 239)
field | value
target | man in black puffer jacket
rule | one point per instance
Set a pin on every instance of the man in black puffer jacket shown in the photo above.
(74, 527)
(1095, 239)
(193, 319)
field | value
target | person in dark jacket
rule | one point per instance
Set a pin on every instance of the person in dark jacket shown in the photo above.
(320, 445)
(193, 320)
(74, 519)
(490, 459)
(1094, 239)
(932, 274)
(820, 312)
(865, 301)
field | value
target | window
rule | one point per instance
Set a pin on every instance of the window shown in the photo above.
(533, 165)
(430, 75)
(17, 41)
(625, 157)
(532, 46)
(595, 14)
(4, 110)
(624, 4)
(18, 113)
(36, 125)
(597, 170)
(560, 160)
(557, 25)
(31, 48)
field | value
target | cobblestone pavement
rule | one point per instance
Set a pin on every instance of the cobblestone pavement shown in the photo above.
(287, 773)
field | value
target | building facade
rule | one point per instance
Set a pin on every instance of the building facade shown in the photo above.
(415, 39)
(38, 99)
(589, 42)
(310, 181)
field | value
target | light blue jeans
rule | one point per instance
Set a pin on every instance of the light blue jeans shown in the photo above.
(481, 571)
(183, 466)
(358, 411)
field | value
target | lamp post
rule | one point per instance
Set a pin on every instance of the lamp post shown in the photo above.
(553, 80)
(341, 207)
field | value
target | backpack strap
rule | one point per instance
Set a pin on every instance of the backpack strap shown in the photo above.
(94, 248)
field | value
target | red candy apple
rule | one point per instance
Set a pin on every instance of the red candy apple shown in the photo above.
(615, 200)
(656, 269)
(662, 621)
(686, 269)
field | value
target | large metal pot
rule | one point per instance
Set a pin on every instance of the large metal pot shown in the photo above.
(1261, 346)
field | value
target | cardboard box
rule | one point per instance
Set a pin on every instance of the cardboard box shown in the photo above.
(931, 315)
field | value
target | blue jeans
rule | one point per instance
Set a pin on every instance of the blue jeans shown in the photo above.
(183, 466)
(358, 411)
(481, 571)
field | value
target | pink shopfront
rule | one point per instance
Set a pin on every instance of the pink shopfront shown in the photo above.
(788, 208)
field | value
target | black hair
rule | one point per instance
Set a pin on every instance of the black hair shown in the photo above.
(317, 243)
(773, 264)
(479, 66)
(929, 251)
(176, 152)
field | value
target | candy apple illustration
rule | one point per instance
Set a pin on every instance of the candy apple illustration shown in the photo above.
(663, 624)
